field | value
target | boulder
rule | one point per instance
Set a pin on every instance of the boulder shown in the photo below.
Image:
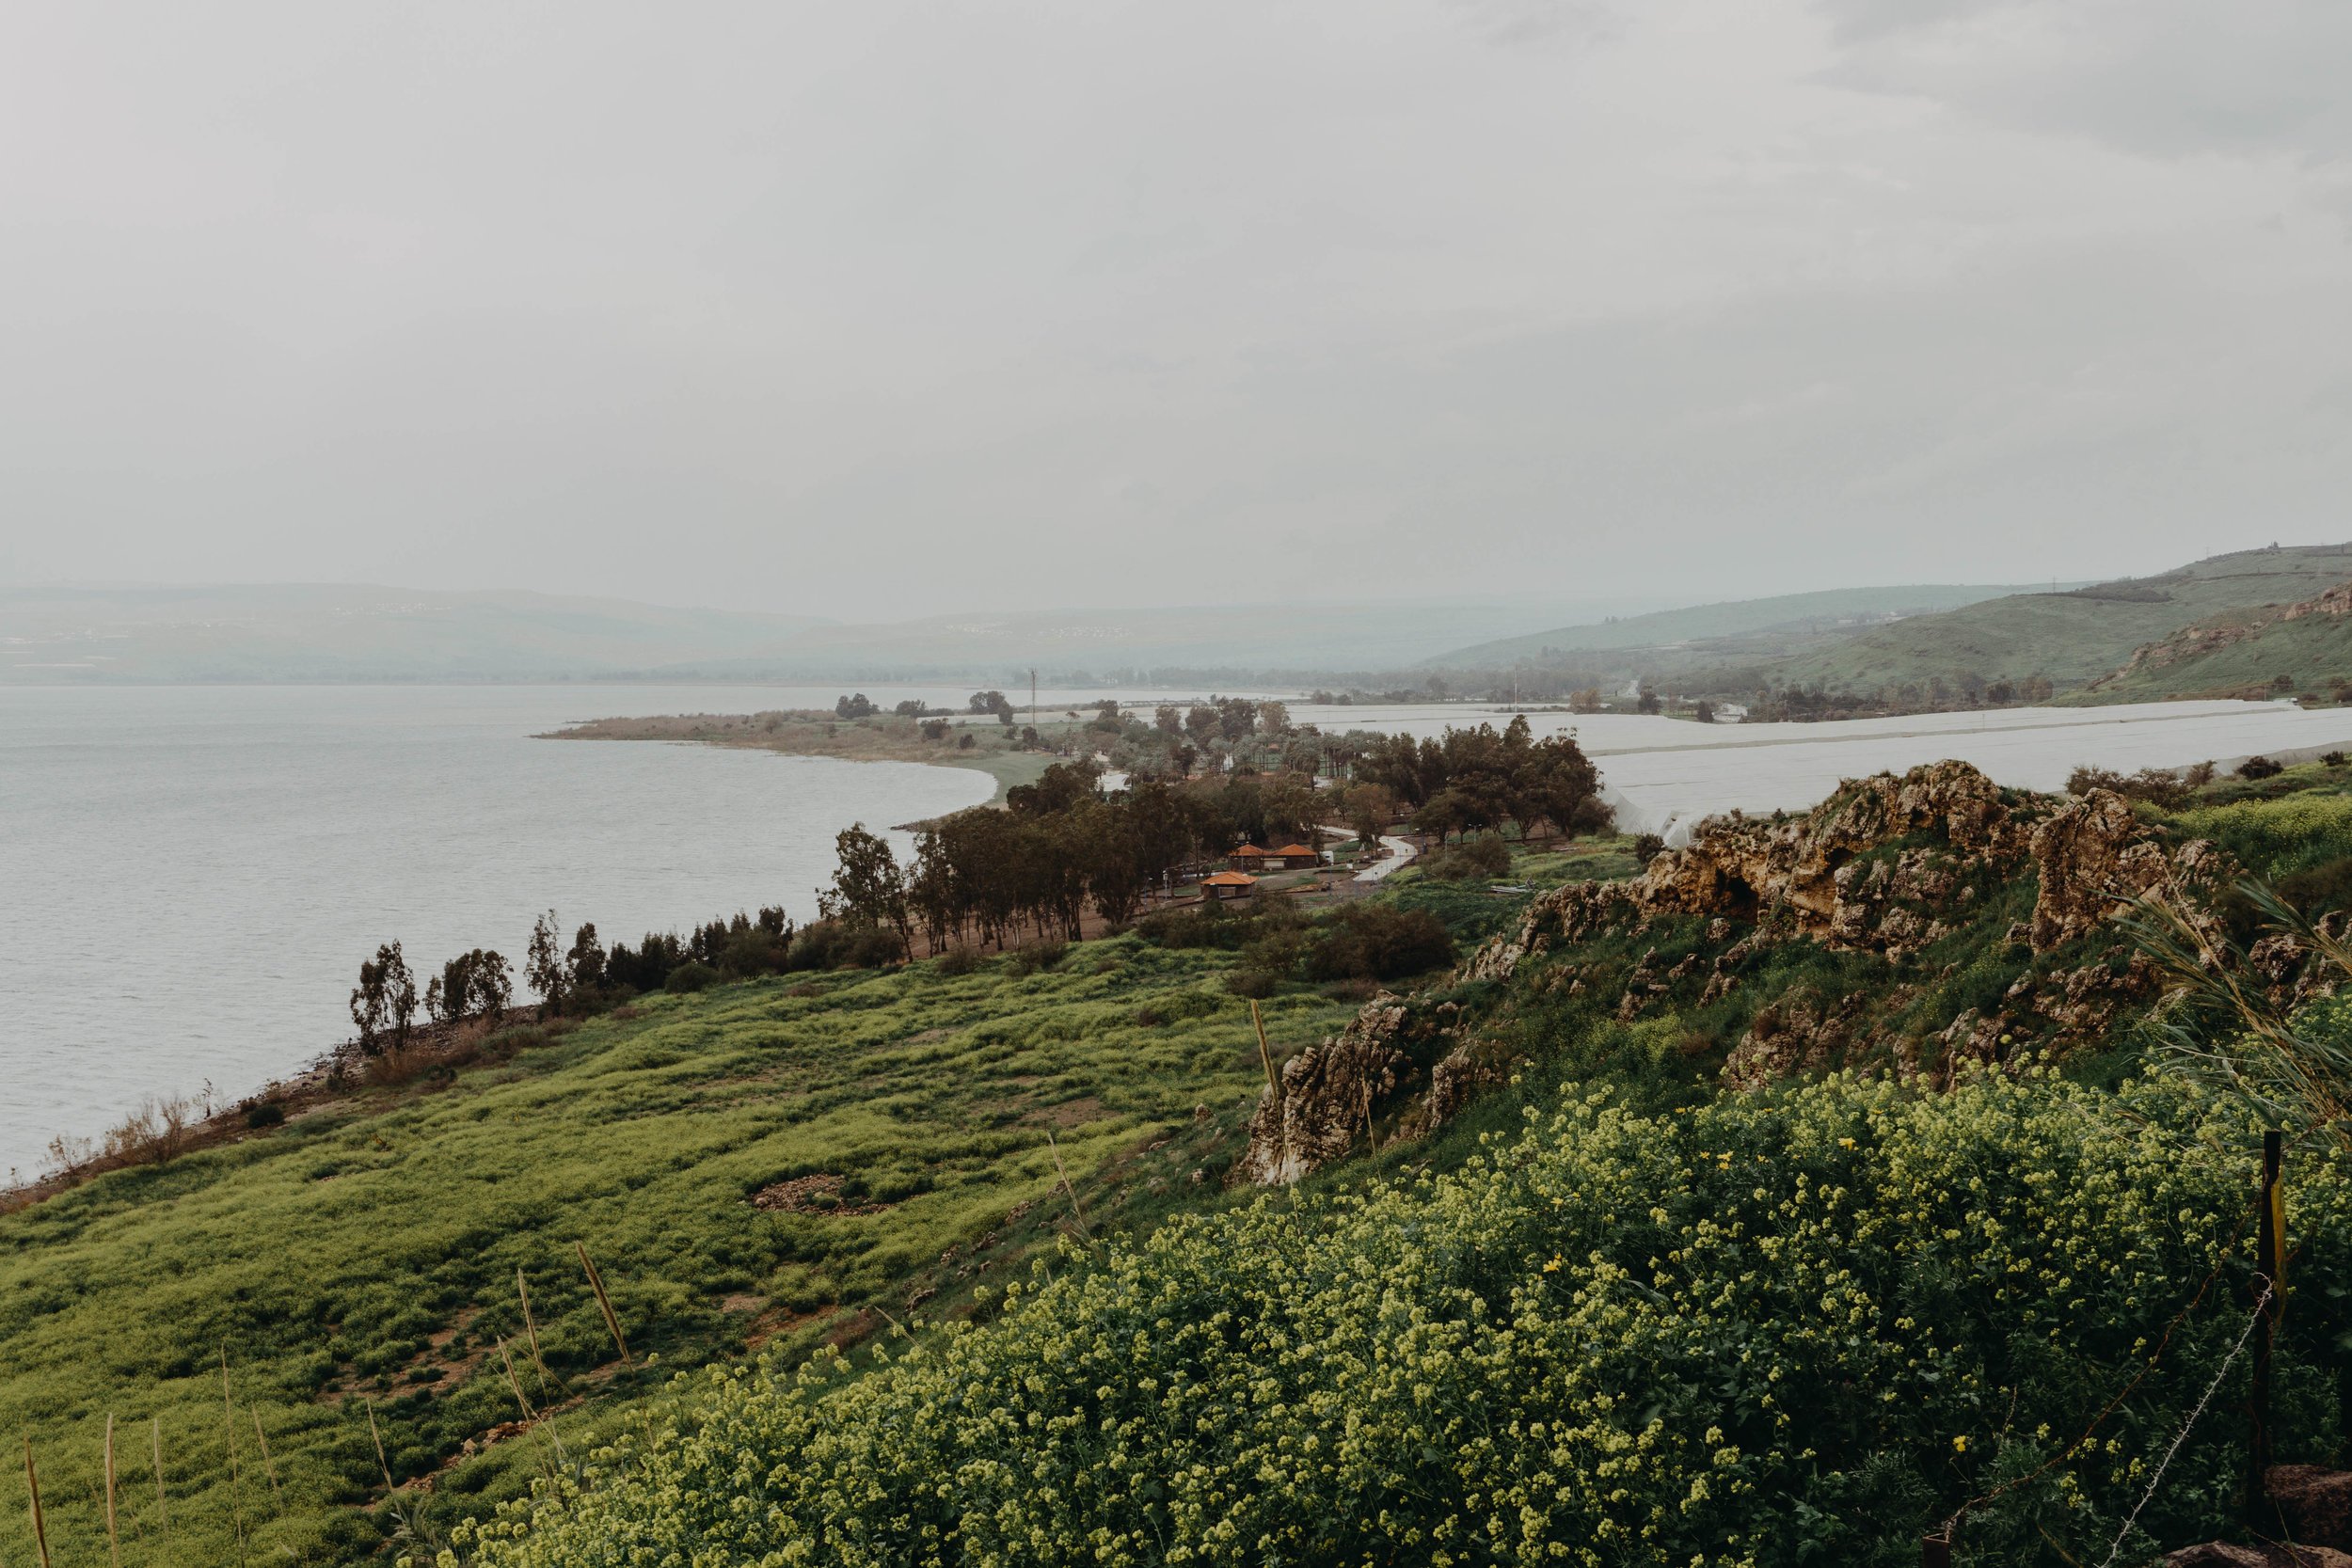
(2314, 1504)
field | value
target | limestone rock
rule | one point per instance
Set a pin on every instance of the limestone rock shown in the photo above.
(1329, 1092)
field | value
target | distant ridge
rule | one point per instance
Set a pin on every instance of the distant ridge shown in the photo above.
(1823, 610)
(2073, 636)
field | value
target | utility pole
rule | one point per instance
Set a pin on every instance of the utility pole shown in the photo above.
(1033, 699)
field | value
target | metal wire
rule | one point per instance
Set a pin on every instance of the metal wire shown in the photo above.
(2181, 1436)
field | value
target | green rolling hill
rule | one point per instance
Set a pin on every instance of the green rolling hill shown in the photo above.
(1789, 616)
(2243, 653)
(2073, 637)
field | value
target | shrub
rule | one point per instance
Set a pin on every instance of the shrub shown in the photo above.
(2153, 785)
(691, 975)
(1647, 848)
(1377, 941)
(959, 960)
(1799, 1326)
(2334, 759)
(2259, 768)
(1477, 860)
(1253, 982)
(269, 1112)
(1038, 955)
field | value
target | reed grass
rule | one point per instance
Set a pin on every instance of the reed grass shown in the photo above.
(228, 1442)
(604, 1302)
(531, 1327)
(163, 1507)
(32, 1489)
(114, 1538)
(269, 1465)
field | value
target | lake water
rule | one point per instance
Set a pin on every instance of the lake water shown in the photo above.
(1663, 775)
(189, 876)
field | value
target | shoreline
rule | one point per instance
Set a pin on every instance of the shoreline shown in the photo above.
(883, 738)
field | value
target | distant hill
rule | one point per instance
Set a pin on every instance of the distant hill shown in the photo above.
(2248, 652)
(2073, 637)
(312, 632)
(1798, 615)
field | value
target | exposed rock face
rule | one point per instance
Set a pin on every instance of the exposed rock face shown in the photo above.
(2212, 635)
(2094, 857)
(1329, 1092)
(1825, 877)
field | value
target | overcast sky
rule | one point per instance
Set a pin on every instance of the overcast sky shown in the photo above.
(880, 309)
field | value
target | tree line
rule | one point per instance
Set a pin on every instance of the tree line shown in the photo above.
(1059, 849)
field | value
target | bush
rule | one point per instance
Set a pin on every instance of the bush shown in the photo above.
(843, 944)
(691, 975)
(959, 960)
(1038, 955)
(269, 1112)
(1377, 941)
(2259, 768)
(1647, 848)
(2153, 785)
(1252, 982)
(1794, 1327)
(1478, 860)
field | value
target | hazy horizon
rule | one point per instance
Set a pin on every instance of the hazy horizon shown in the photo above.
(896, 311)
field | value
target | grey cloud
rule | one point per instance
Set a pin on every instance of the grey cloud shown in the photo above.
(2178, 78)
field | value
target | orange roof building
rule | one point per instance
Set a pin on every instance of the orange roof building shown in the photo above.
(1227, 884)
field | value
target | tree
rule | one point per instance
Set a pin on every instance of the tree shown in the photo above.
(910, 708)
(1201, 723)
(585, 963)
(385, 1002)
(869, 889)
(1274, 718)
(1370, 809)
(1705, 714)
(1584, 700)
(1169, 720)
(544, 965)
(1648, 701)
(859, 707)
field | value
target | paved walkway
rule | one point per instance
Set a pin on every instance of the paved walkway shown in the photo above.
(1400, 853)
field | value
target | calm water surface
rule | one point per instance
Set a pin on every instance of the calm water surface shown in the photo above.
(189, 876)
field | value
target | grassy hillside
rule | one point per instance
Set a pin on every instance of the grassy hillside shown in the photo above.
(2244, 652)
(1801, 1328)
(2073, 638)
(369, 1252)
(1796, 616)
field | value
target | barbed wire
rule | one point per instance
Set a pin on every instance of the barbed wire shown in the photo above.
(2164, 1343)
(2262, 1303)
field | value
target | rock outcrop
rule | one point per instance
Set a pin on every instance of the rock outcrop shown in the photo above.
(1328, 1095)
(1889, 866)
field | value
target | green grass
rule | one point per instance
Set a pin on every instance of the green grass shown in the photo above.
(2312, 652)
(368, 1251)
(2071, 637)
(1783, 1329)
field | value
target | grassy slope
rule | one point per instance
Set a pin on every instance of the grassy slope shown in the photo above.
(372, 1249)
(2313, 651)
(1733, 618)
(2071, 637)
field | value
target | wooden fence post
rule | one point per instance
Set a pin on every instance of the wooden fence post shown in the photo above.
(1935, 1550)
(2270, 1274)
